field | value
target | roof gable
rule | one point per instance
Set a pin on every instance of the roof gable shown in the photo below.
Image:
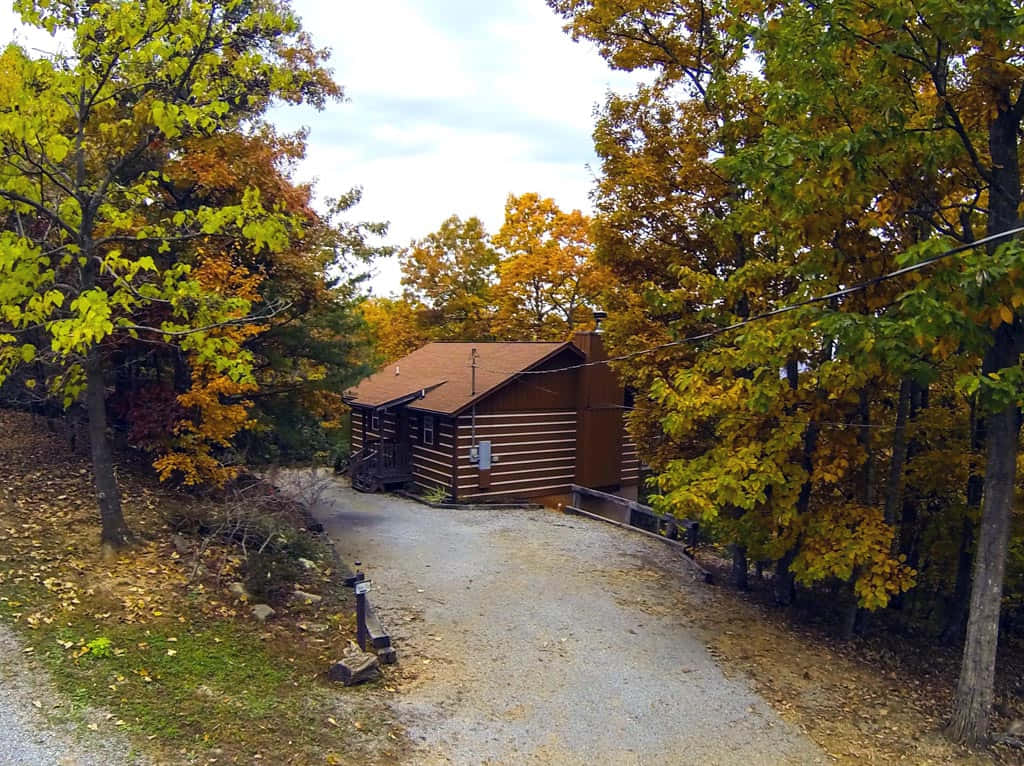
(442, 373)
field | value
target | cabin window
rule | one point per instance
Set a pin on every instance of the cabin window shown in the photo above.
(428, 429)
(375, 422)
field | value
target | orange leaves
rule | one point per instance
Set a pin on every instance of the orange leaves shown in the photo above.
(216, 407)
(216, 272)
(218, 412)
(548, 276)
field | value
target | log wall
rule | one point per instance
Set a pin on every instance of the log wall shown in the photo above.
(533, 454)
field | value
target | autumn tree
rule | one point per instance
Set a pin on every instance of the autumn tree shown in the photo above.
(317, 344)
(394, 326)
(952, 93)
(874, 135)
(547, 276)
(84, 139)
(450, 274)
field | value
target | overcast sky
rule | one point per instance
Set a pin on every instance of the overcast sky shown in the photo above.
(453, 104)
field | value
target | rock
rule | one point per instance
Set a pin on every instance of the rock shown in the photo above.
(262, 611)
(204, 691)
(355, 668)
(239, 590)
(306, 598)
(308, 565)
(181, 545)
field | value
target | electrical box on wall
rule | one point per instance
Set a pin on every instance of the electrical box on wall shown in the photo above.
(484, 455)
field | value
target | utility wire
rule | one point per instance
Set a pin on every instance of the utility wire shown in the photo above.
(860, 286)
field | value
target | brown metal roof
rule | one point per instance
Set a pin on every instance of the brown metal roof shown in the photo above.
(441, 372)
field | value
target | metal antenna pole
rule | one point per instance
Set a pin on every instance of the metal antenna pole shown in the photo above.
(472, 364)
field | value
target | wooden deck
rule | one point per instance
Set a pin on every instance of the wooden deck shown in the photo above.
(379, 464)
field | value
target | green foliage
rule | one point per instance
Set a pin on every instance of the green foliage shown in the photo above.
(436, 494)
(839, 439)
(100, 647)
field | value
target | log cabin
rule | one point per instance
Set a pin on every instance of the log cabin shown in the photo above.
(491, 422)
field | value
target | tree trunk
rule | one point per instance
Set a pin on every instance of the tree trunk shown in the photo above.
(956, 619)
(894, 488)
(784, 586)
(867, 491)
(115, 534)
(974, 693)
(972, 704)
(848, 624)
(739, 566)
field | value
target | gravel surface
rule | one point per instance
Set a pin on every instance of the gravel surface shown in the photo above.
(34, 726)
(530, 637)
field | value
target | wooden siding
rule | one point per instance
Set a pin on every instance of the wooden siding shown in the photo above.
(431, 463)
(536, 393)
(388, 426)
(533, 453)
(630, 458)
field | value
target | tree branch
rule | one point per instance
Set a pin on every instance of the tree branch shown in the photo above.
(248, 319)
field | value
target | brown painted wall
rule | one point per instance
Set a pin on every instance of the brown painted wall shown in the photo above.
(536, 393)
(533, 452)
(630, 458)
(599, 402)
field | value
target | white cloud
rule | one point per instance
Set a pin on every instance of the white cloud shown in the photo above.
(453, 104)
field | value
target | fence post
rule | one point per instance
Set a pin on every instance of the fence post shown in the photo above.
(361, 586)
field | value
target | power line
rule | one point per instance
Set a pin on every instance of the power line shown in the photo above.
(860, 286)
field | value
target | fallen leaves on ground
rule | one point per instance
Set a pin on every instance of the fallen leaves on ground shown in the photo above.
(158, 625)
(879, 700)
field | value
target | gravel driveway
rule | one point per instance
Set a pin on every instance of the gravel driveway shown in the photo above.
(529, 637)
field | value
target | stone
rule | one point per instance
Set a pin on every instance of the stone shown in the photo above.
(239, 590)
(181, 545)
(308, 565)
(262, 611)
(355, 668)
(306, 598)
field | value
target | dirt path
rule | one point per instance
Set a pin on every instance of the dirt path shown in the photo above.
(532, 637)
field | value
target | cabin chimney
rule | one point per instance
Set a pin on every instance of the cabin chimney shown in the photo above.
(599, 413)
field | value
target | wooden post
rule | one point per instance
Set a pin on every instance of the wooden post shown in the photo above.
(361, 632)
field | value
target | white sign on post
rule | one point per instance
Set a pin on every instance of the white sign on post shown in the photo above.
(362, 587)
